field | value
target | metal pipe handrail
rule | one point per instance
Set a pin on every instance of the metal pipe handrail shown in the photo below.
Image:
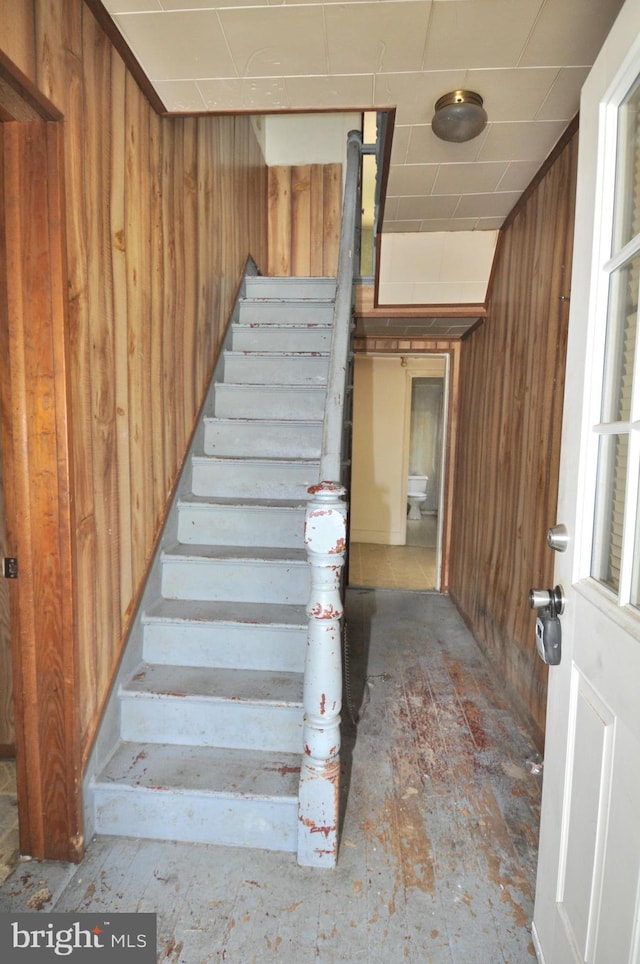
(332, 434)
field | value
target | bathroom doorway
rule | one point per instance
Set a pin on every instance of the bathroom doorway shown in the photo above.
(424, 466)
(399, 461)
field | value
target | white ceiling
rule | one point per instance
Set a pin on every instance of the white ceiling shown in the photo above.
(527, 58)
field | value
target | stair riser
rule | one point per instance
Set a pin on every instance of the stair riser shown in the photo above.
(195, 721)
(265, 402)
(260, 286)
(275, 369)
(285, 313)
(255, 438)
(226, 645)
(280, 338)
(241, 526)
(230, 479)
(265, 581)
(269, 824)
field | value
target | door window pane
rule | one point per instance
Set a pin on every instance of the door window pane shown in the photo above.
(612, 481)
(621, 342)
(626, 224)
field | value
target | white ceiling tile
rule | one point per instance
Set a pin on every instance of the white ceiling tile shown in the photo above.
(401, 138)
(423, 208)
(450, 224)
(250, 94)
(512, 94)
(131, 6)
(336, 91)
(489, 224)
(380, 37)
(471, 34)
(518, 175)
(414, 93)
(486, 205)
(556, 40)
(180, 95)
(517, 142)
(209, 4)
(563, 100)
(478, 178)
(178, 46)
(276, 41)
(411, 179)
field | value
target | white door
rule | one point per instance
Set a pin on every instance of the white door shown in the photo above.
(587, 898)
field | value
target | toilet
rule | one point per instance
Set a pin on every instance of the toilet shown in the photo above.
(416, 494)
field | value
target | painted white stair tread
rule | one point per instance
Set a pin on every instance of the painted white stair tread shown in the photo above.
(203, 769)
(291, 402)
(197, 682)
(255, 614)
(203, 553)
(242, 502)
(290, 286)
(273, 461)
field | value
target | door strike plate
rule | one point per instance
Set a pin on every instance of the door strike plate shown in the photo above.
(10, 567)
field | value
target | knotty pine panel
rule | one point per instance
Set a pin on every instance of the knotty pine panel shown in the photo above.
(160, 216)
(305, 210)
(511, 394)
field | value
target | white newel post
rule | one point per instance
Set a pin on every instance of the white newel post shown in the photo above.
(325, 539)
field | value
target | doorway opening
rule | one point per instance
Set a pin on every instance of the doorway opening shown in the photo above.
(399, 460)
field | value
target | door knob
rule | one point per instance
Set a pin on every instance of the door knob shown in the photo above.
(552, 599)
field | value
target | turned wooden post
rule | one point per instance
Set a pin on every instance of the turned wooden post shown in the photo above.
(325, 539)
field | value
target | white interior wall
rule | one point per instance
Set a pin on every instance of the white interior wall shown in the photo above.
(435, 268)
(305, 138)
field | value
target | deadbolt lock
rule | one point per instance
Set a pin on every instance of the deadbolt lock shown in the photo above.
(558, 537)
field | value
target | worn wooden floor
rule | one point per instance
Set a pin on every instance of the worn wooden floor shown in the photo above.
(438, 854)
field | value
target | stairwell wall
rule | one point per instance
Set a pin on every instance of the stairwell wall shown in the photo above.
(160, 215)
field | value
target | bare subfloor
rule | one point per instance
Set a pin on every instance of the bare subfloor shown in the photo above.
(438, 853)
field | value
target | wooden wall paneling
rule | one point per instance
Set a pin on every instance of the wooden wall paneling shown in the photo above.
(160, 474)
(136, 322)
(316, 221)
(118, 271)
(7, 730)
(101, 424)
(305, 212)
(511, 392)
(301, 220)
(279, 221)
(189, 253)
(18, 35)
(7, 727)
(170, 294)
(39, 497)
(332, 217)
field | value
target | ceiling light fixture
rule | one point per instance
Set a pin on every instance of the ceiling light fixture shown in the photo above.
(459, 116)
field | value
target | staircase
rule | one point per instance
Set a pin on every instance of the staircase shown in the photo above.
(202, 740)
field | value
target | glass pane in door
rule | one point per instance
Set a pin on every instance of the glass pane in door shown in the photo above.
(626, 223)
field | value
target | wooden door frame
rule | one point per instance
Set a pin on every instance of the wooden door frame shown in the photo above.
(37, 465)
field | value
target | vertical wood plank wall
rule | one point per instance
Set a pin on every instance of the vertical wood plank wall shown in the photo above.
(511, 394)
(7, 733)
(305, 210)
(161, 214)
